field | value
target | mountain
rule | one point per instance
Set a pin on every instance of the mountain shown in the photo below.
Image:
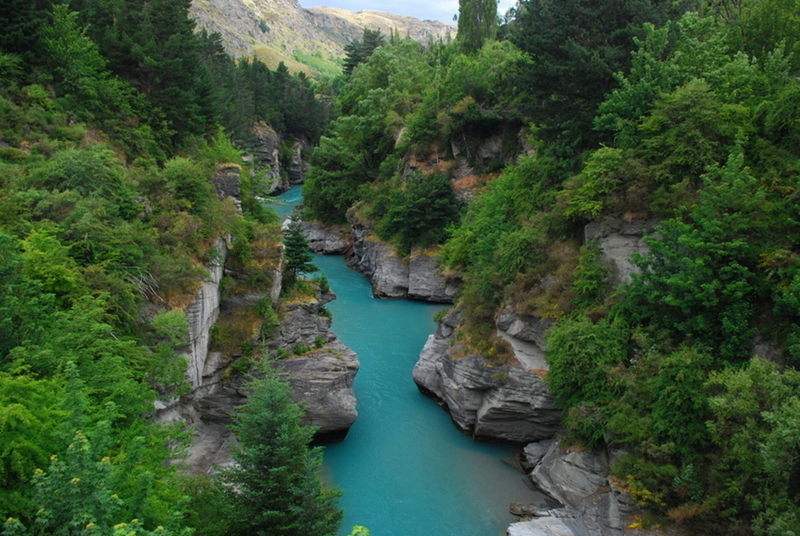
(308, 40)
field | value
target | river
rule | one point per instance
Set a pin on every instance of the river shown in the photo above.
(404, 467)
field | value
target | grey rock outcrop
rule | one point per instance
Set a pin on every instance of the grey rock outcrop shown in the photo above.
(201, 316)
(263, 156)
(326, 239)
(322, 383)
(486, 401)
(226, 179)
(523, 327)
(322, 376)
(394, 276)
(570, 477)
(298, 165)
(619, 238)
(321, 379)
(593, 505)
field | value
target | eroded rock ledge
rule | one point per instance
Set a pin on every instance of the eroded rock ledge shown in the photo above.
(392, 275)
(485, 401)
(590, 502)
(322, 377)
(414, 277)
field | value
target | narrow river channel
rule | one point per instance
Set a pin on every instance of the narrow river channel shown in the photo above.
(404, 467)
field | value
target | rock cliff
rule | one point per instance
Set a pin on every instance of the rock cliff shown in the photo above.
(510, 403)
(263, 156)
(320, 368)
(619, 238)
(391, 275)
(327, 239)
(321, 377)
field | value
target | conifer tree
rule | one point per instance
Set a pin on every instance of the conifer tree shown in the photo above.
(359, 51)
(276, 490)
(298, 255)
(477, 22)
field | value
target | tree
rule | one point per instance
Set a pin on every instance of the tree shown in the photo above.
(357, 52)
(477, 23)
(576, 47)
(298, 255)
(275, 489)
(699, 280)
(419, 213)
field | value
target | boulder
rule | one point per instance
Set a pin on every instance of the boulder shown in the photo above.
(486, 401)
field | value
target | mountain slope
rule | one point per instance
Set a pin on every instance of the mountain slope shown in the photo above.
(308, 40)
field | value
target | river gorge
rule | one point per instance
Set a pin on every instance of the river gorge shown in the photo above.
(404, 467)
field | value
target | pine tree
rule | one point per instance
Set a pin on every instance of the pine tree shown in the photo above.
(275, 489)
(298, 255)
(359, 51)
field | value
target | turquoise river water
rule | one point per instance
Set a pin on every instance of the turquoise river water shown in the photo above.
(404, 467)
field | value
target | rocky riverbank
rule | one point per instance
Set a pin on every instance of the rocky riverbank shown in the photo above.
(392, 275)
(225, 343)
(586, 501)
(486, 401)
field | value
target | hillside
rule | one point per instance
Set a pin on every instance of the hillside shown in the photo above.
(308, 40)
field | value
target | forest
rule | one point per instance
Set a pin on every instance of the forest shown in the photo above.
(113, 117)
(114, 114)
(680, 113)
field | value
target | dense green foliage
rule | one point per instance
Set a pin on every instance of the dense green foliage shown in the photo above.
(297, 256)
(112, 124)
(275, 489)
(359, 51)
(637, 113)
(477, 22)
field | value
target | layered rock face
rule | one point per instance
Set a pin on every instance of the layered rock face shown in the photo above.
(326, 239)
(263, 157)
(510, 403)
(322, 377)
(393, 276)
(590, 503)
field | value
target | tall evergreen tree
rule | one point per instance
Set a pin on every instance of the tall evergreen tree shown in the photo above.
(359, 51)
(477, 22)
(298, 255)
(275, 489)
